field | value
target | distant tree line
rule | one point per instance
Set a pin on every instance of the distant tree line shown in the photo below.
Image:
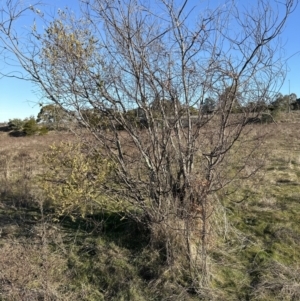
(53, 117)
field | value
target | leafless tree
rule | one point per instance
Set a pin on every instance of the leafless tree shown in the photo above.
(143, 70)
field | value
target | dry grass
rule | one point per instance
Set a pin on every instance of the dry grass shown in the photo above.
(254, 253)
(31, 144)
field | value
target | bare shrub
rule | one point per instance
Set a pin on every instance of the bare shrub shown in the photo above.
(155, 60)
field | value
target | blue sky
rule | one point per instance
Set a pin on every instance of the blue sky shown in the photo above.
(19, 99)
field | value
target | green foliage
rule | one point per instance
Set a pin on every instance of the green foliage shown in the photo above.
(27, 127)
(230, 99)
(208, 106)
(16, 124)
(132, 117)
(281, 103)
(193, 110)
(256, 106)
(62, 46)
(74, 180)
(80, 44)
(264, 212)
(95, 120)
(30, 127)
(51, 116)
(165, 107)
(43, 130)
(269, 117)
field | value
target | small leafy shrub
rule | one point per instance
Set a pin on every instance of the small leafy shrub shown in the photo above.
(16, 124)
(43, 130)
(74, 180)
(30, 127)
(269, 118)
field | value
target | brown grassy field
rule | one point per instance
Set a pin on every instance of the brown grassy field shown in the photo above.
(108, 257)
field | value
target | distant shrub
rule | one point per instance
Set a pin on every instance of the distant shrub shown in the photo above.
(16, 124)
(268, 118)
(25, 127)
(30, 127)
(43, 130)
(52, 116)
